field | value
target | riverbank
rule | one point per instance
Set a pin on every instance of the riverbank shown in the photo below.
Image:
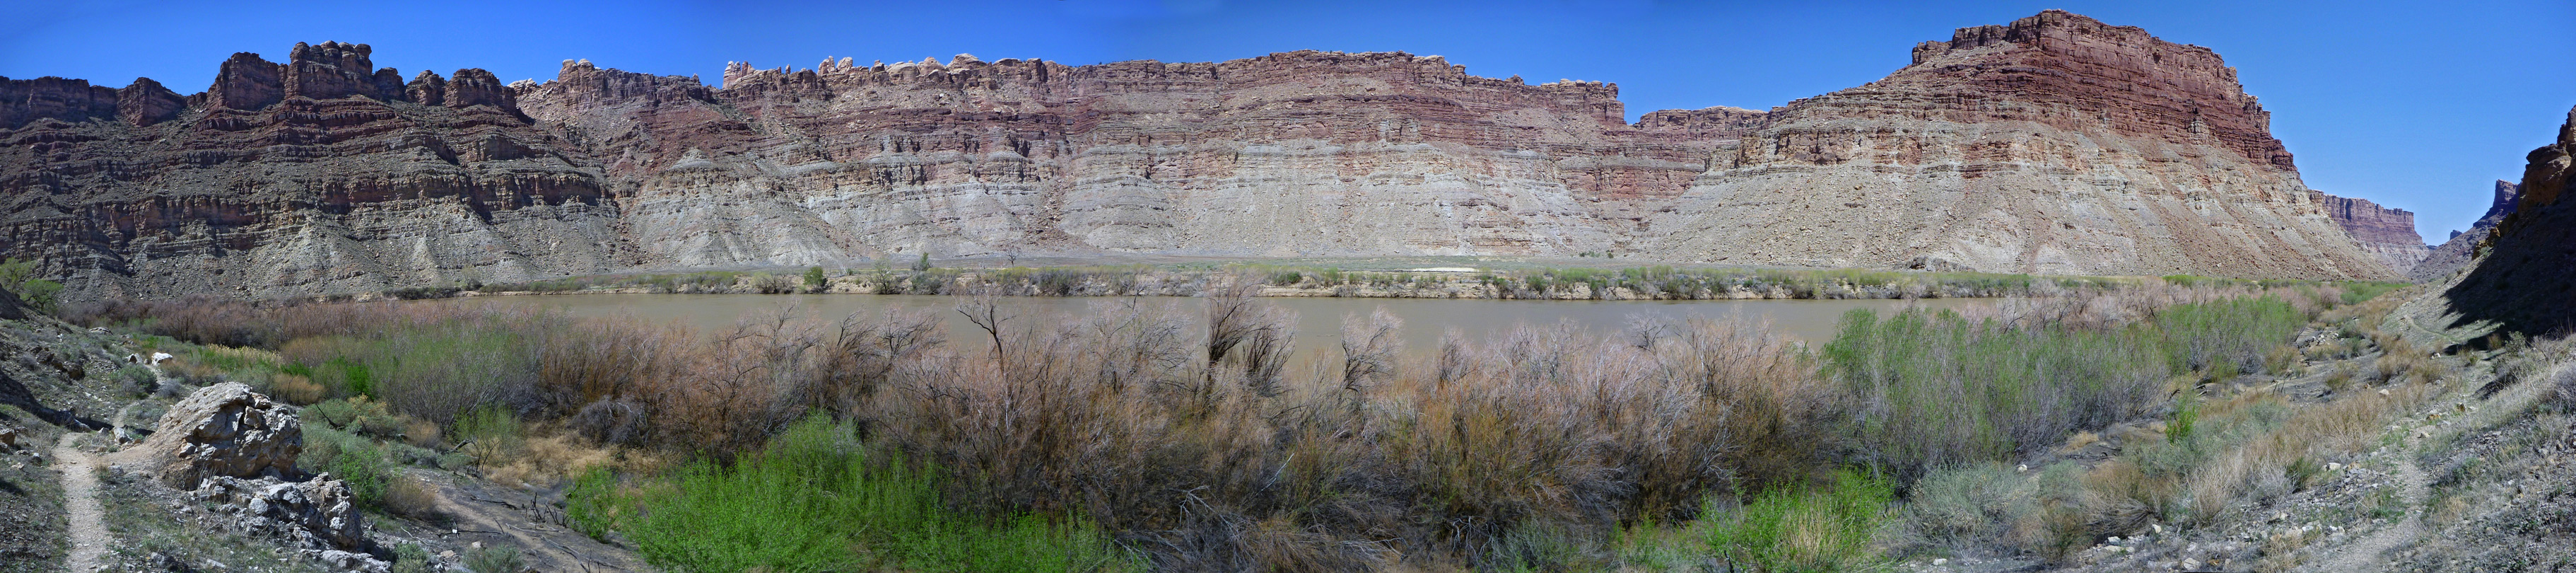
(1658, 282)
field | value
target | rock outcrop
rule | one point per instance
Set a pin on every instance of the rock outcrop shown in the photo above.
(2056, 144)
(2526, 280)
(2456, 253)
(235, 450)
(2386, 233)
(224, 430)
(317, 514)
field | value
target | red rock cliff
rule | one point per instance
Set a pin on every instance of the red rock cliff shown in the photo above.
(315, 175)
(2384, 232)
(2056, 144)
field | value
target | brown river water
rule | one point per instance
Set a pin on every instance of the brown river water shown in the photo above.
(1319, 319)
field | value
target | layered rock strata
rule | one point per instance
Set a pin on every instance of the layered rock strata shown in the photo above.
(2056, 144)
(312, 176)
(2386, 233)
(2456, 253)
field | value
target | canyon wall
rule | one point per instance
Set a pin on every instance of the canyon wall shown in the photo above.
(2456, 253)
(2526, 279)
(2055, 145)
(2386, 233)
(312, 176)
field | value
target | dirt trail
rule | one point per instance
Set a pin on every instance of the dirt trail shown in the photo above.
(80, 498)
(2368, 553)
(548, 547)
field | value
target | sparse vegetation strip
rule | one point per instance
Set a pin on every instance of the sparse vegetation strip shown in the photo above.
(1131, 437)
(1645, 282)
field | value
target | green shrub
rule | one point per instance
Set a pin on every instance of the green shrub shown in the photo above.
(814, 278)
(2186, 415)
(19, 278)
(348, 457)
(1972, 505)
(1827, 529)
(411, 558)
(488, 434)
(357, 414)
(429, 371)
(1939, 390)
(495, 560)
(813, 501)
(594, 503)
(2354, 292)
(2228, 335)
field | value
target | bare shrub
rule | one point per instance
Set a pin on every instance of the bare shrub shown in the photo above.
(1257, 336)
(2562, 390)
(2402, 361)
(767, 283)
(584, 362)
(1122, 415)
(610, 421)
(411, 497)
(296, 389)
(1369, 347)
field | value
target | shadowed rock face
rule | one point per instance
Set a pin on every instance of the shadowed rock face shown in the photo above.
(2056, 144)
(2456, 253)
(2385, 233)
(2526, 281)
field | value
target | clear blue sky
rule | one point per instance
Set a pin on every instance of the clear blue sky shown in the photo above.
(2418, 106)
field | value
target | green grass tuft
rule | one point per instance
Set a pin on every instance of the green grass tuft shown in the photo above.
(814, 501)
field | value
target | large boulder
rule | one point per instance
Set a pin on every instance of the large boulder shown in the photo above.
(317, 514)
(224, 430)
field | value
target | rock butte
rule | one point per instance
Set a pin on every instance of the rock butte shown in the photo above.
(2056, 144)
(2386, 233)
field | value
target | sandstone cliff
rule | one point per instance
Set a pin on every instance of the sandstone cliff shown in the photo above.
(2526, 281)
(320, 174)
(2386, 233)
(2456, 253)
(2056, 144)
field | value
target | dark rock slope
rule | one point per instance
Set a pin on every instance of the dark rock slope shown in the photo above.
(2526, 281)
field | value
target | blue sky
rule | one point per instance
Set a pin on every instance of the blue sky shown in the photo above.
(2418, 106)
